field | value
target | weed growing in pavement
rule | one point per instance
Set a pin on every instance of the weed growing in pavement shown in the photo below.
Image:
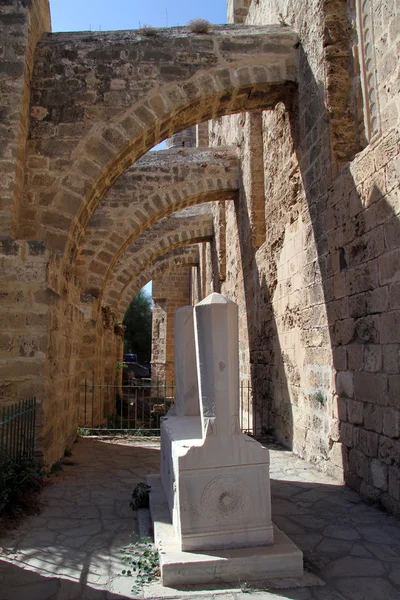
(142, 562)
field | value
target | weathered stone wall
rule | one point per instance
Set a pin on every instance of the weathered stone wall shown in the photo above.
(21, 25)
(170, 291)
(318, 298)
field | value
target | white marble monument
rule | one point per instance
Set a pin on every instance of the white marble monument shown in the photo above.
(212, 508)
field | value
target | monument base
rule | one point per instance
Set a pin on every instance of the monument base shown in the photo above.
(233, 565)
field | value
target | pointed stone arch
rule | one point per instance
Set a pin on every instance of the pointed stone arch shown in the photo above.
(157, 185)
(130, 92)
(169, 233)
(174, 259)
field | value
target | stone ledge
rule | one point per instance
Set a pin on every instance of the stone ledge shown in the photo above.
(282, 559)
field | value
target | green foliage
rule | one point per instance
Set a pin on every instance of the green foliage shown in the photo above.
(140, 496)
(18, 477)
(143, 563)
(83, 432)
(320, 397)
(121, 365)
(137, 322)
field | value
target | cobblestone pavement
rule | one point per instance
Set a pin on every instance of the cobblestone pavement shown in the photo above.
(73, 549)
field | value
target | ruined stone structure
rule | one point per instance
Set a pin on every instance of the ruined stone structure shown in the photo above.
(299, 195)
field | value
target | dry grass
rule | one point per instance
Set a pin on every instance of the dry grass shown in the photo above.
(199, 26)
(148, 30)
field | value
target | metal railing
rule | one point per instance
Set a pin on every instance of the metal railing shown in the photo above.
(138, 407)
(17, 430)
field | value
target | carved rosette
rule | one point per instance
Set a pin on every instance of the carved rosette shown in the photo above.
(226, 499)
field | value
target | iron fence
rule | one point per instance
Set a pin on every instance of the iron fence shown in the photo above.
(17, 431)
(135, 407)
(138, 407)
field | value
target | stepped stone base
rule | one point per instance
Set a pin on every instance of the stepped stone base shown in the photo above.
(281, 559)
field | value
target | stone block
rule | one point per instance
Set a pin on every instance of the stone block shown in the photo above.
(355, 411)
(373, 417)
(379, 474)
(389, 267)
(373, 358)
(367, 329)
(390, 327)
(389, 451)
(358, 464)
(344, 383)
(391, 360)
(394, 482)
(391, 422)
(394, 391)
(348, 435)
(371, 387)
(339, 358)
(368, 443)
(355, 359)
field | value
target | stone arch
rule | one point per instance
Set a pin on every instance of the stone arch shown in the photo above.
(174, 259)
(169, 233)
(157, 185)
(128, 97)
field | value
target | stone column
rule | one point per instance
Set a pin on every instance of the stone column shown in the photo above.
(187, 392)
(237, 10)
(171, 291)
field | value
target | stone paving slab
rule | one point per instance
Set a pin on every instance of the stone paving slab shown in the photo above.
(73, 549)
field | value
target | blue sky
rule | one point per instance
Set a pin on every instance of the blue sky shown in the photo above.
(82, 15)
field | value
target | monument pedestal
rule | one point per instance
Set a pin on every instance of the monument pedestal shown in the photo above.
(231, 565)
(211, 505)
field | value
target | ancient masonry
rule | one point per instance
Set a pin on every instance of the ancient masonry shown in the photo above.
(285, 198)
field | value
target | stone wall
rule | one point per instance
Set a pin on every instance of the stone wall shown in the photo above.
(21, 26)
(318, 298)
(170, 291)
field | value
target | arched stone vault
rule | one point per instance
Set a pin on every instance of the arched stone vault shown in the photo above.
(130, 92)
(158, 184)
(174, 259)
(168, 233)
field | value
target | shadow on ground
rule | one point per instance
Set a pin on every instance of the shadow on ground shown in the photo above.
(73, 549)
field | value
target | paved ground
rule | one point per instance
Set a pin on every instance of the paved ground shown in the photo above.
(73, 549)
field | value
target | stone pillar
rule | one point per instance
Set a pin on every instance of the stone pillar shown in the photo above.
(237, 10)
(171, 291)
(21, 26)
(187, 391)
(202, 134)
(182, 139)
(217, 347)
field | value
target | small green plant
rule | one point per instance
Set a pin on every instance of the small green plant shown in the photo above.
(140, 496)
(143, 563)
(199, 26)
(83, 432)
(18, 477)
(320, 397)
(121, 365)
